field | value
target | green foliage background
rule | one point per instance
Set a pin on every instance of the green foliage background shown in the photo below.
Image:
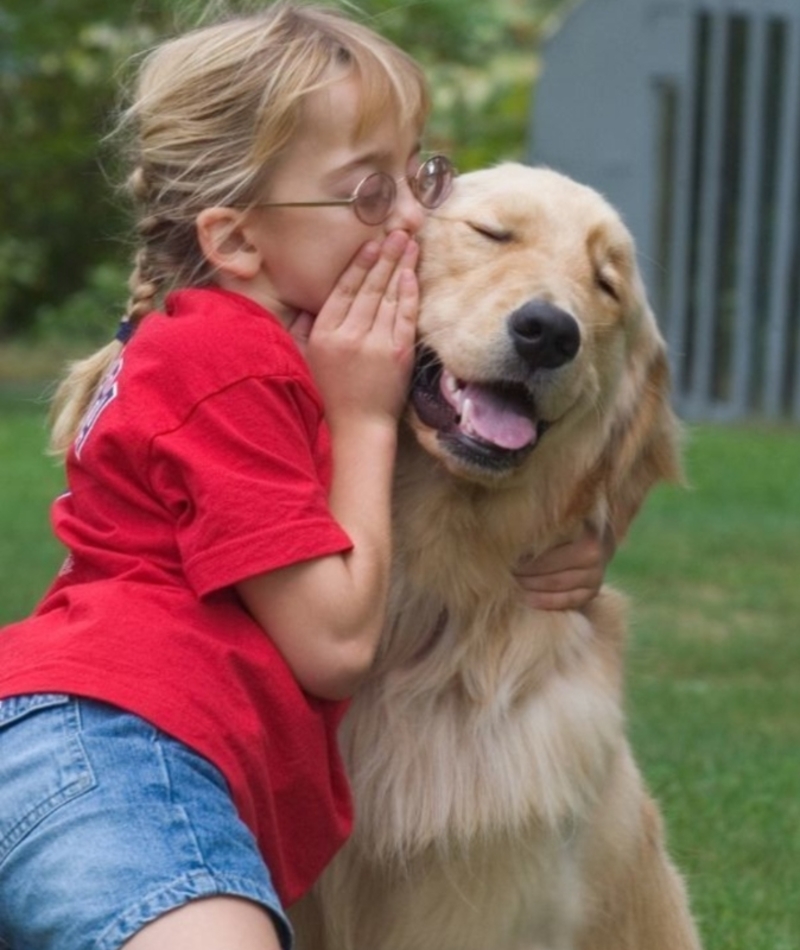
(63, 229)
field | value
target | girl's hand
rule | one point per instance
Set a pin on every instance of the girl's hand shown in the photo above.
(361, 345)
(569, 575)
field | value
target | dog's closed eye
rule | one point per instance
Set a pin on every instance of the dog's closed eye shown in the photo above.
(492, 231)
(606, 280)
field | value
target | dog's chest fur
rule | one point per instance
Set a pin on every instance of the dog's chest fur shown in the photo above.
(478, 735)
(486, 722)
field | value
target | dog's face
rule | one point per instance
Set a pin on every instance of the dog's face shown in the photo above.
(533, 317)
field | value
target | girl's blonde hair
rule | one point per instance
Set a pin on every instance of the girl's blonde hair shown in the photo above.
(211, 114)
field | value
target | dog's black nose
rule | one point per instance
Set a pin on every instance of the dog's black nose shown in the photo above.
(544, 335)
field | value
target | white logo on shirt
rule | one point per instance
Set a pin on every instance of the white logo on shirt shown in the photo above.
(104, 396)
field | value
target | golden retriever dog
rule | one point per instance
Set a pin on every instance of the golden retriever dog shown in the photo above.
(498, 804)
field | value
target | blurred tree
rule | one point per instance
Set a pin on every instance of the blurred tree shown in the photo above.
(63, 254)
(57, 65)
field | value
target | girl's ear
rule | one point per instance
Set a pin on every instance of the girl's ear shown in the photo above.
(223, 238)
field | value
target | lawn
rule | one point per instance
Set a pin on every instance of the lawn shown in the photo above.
(713, 572)
(714, 678)
(29, 480)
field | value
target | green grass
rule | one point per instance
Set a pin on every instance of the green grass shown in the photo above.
(713, 572)
(29, 481)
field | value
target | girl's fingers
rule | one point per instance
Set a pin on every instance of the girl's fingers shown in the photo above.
(347, 288)
(400, 302)
(377, 291)
(402, 320)
(562, 581)
(363, 307)
(405, 324)
(565, 600)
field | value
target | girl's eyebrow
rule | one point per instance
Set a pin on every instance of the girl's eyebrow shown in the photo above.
(374, 157)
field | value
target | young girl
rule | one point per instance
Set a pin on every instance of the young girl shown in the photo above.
(169, 776)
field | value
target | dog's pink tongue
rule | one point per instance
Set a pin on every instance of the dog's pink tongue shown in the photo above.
(487, 415)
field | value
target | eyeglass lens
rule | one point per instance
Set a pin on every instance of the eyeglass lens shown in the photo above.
(374, 198)
(376, 195)
(431, 184)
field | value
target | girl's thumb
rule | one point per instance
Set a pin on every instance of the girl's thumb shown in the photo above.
(300, 329)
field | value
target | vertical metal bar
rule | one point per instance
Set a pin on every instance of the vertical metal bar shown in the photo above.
(710, 198)
(785, 202)
(748, 237)
(796, 399)
(796, 166)
(680, 238)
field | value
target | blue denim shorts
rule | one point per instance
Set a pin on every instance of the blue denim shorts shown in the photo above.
(106, 823)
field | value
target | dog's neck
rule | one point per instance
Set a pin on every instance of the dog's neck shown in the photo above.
(460, 540)
(457, 544)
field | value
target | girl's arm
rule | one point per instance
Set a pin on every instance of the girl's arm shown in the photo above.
(326, 615)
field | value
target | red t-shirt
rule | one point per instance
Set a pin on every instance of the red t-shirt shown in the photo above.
(203, 460)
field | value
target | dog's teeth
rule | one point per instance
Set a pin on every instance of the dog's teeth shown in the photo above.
(466, 416)
(452, 391)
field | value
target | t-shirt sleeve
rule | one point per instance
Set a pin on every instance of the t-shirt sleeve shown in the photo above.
(246, 479)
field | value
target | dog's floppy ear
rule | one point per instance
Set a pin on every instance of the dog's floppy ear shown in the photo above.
(644, 443)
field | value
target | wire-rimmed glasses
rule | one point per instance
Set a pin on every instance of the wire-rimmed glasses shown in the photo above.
(375, 195)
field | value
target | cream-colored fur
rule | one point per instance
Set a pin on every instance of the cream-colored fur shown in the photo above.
(498, 804)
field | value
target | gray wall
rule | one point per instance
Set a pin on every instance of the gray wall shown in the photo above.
(686, 115)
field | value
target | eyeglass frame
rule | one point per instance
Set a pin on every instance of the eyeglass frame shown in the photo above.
(353, 199)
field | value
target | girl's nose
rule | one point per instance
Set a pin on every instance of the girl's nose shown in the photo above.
(407, 213)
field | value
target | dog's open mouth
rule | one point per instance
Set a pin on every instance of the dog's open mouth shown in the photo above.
(491, 424)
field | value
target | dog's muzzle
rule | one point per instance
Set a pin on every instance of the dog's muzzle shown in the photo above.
(494, 425)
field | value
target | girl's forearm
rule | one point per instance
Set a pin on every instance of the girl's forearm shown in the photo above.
(326, 615)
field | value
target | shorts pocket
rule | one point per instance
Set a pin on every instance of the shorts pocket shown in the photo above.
(42, 762)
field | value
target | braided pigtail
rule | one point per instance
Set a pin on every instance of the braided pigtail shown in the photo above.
(76, 391)
(143, 285)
